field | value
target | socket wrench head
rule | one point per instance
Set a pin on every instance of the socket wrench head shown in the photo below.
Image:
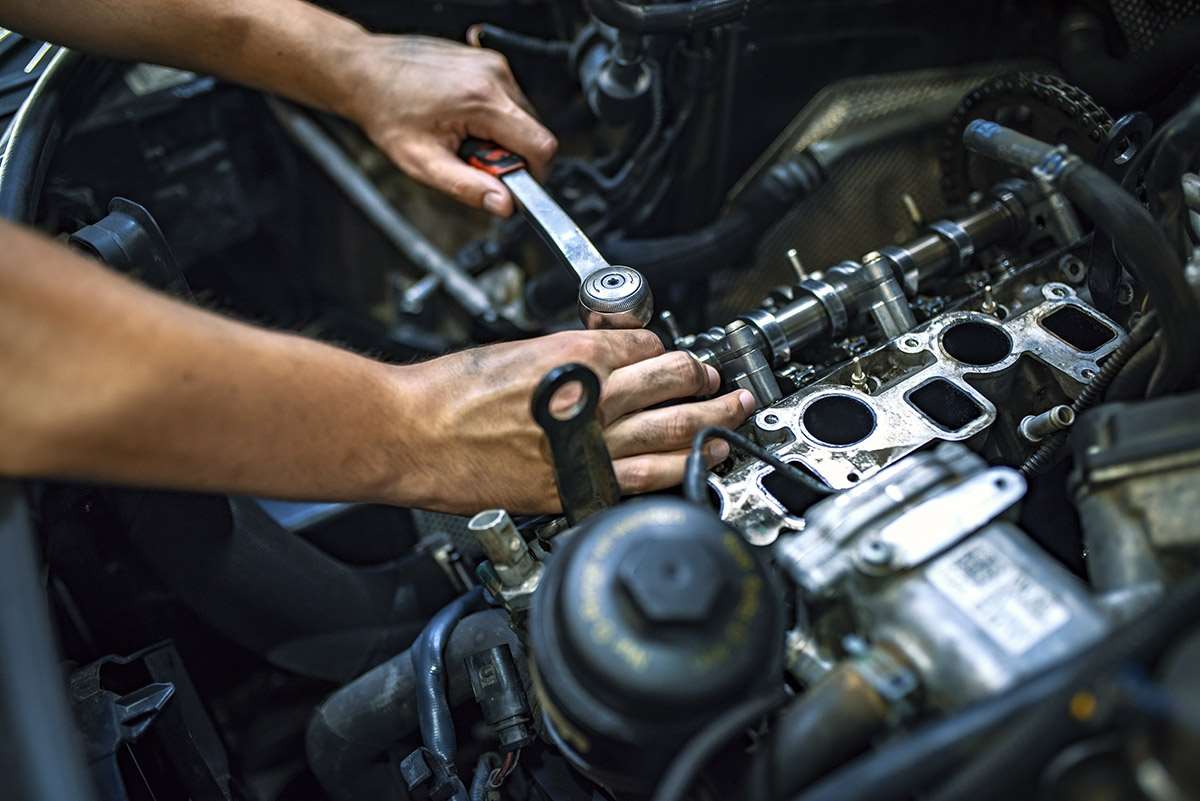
(615, 297)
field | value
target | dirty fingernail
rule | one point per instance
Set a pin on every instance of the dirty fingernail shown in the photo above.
(494, 203)
(714, 378)
(717, 451)
(747, 401)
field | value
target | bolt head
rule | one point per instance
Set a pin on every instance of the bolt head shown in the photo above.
(875, 553)
(671, 582)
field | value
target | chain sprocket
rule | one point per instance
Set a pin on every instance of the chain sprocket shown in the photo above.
(1043, 106)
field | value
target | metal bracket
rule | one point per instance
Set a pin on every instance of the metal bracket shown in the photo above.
(583, 467)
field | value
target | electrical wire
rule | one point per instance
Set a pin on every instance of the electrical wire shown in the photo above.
(485, 769)
(699, 750)
(694, 470)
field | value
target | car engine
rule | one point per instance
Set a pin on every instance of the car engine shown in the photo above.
(954, 254)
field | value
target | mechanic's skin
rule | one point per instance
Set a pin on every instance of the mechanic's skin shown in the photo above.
(103, 379)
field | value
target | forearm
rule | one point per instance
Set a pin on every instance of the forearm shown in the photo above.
(108, 381)
(286, 47)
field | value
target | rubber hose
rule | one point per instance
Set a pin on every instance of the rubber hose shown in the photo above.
(671, 17)
(272, 592)
(1126, 84)
(357, 724)
(33, 137)
(509, 42)
(1147, 254)
(480, 781)
(1131, 383)
(907, 764)
(1178, 143)
(1029, 740)
(699, 750)
(428, 657)
(830, 724)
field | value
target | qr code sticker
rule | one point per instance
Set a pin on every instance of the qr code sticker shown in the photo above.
(1010, 606)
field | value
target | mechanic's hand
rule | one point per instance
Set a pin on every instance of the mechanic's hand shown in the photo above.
(418, 97)
(482, 448)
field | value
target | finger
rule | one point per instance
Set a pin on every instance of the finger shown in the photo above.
(663, 430)
(659, 471)
(515, 129)
(647, 383)
(434, 164)
(620, 348)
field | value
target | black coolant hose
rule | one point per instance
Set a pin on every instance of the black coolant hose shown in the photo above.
(1153, 260)
(1144, 247)
(671, 17)
(1176, 146)
(360, 722)
(1129, 83)
(429, 667)
(272, 592)
(822, 729)
(917, 758)
(510, 42)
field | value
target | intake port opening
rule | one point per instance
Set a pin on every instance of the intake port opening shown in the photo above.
(946, 405)
(839, 420)
(976, 344)
(795, 497)
(1080, 330)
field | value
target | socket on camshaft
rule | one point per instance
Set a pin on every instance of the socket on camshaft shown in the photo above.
(615, 297)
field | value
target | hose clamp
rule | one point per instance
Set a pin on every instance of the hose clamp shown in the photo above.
(958, 239)
(1057, 163)
(831, 301)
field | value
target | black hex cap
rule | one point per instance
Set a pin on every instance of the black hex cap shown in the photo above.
(658, 608)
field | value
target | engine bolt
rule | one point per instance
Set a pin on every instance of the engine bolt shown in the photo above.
(989, 305)
(858, 378)
(794, 257)
(875, 553)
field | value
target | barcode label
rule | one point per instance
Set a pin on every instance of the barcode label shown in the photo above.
(1010, 606)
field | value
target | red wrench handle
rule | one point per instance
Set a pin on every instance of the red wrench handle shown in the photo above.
(490, 157)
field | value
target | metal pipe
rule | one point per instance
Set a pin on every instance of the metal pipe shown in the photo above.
(1036, 427)
(334, 162)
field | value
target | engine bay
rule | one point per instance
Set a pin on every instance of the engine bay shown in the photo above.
(954, 255)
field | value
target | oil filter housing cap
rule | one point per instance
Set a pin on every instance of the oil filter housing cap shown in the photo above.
(648, 622)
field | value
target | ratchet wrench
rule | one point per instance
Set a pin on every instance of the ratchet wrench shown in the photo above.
(610, 296)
